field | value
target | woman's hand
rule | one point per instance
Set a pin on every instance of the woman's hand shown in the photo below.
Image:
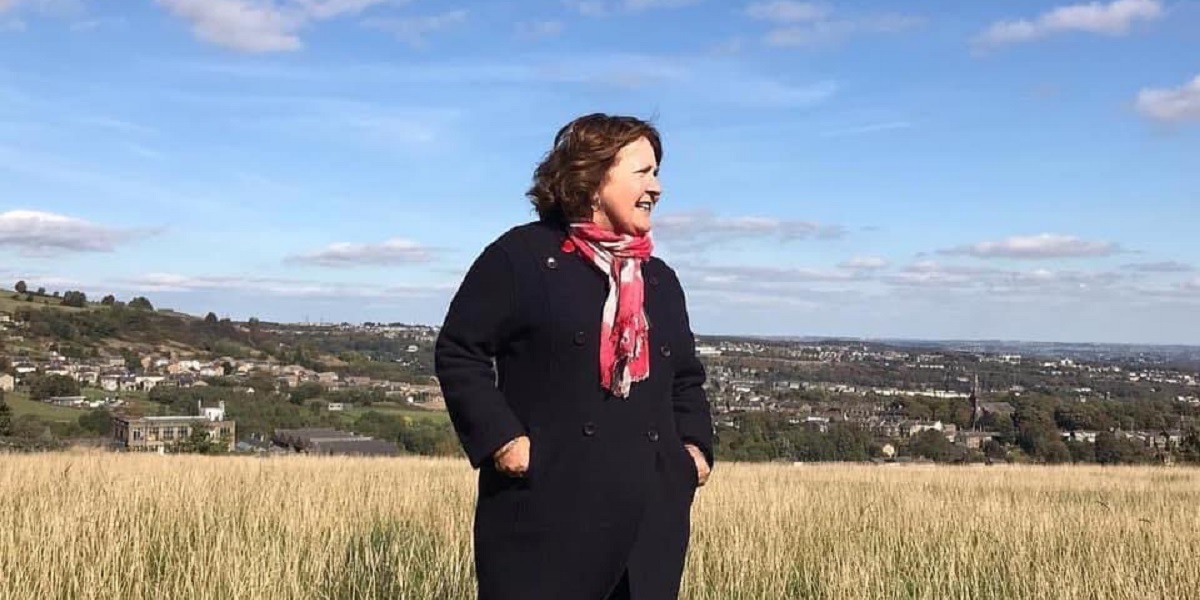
(702, 468)
(512, 459)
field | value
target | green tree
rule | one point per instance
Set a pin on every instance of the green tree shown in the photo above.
(932, 444)
(141, 303)
(1189, 448)
(49, 386)
(199, 442)
(74, 298)
(98, 422)
(306, 391)
(108, 300)
(1107, 451)
(21, 287)
(5, 417)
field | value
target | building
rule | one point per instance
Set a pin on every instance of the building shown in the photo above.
(161, 433)
(328, 441)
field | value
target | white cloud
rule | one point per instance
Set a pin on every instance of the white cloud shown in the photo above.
(772, 93)
(868, 128)
(385, 127)
(865, 263)
(50, 8)
(394, 251)
(787, 11)
(1171, 104)
(540, 29)
(704, 228)
(587, 8)
(934, 275)
(651, 4)
(275, 286)
(724, 275)
(240, 24)
(412, 30)
(37, 233)
(603, 8)
(1170, 266)
(1040, 246)
(808, 24)
(1112, 19)
(698, 78)
(260, 25)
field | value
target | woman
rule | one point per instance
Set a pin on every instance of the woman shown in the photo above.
(569, 370)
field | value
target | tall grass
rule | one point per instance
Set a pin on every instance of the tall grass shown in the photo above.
(95, 525)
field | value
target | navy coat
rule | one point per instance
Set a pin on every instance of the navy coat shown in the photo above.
(610, 484)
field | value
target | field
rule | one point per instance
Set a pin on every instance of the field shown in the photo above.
(20, 404)
(94, 525)
(402, 410)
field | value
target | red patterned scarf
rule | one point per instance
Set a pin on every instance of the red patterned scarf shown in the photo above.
(624, 330)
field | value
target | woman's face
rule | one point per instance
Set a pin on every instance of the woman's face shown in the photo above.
(630, 190)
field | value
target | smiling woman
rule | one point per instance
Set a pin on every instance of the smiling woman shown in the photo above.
(569, 371)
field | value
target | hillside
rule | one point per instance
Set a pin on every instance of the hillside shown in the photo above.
(11, 301)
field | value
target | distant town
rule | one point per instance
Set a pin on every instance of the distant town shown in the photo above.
(369, 388)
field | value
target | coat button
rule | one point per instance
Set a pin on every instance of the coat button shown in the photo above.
(551, 262)
(579, 338)
(589, 429)
(666, 350)
(653, 435)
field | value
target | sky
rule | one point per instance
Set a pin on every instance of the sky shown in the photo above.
(1017, 170)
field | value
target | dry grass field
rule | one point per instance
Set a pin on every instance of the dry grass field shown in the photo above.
(94, 525)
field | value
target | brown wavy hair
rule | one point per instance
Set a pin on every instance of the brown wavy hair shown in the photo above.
(575, 167)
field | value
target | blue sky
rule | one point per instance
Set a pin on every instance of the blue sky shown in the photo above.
(1016, 170)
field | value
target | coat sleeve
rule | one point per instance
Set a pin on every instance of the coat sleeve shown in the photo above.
(693, 414)
(476, 324)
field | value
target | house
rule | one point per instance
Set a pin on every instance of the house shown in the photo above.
(975, 440)
(1081, 436)
(147, 382)
(7, 382)
(325, 441)
(160, 433)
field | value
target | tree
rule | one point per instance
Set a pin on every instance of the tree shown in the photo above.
(1189, 449)
(98, 422)
(108, 300)
(74, 298)
(21, 287)
(306, 391)
(141, 303)
(41, 291)
(200, 442)
(932, 444)
(50, 386)
(1107, 451)
(5, 417)
(210, 318)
